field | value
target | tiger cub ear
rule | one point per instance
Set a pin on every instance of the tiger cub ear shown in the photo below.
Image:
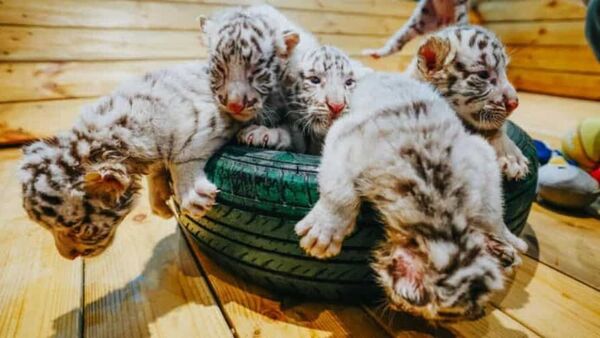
(432, 53)
(290, 41)
(106, 182)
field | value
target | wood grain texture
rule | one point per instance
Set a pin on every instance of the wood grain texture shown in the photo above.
(40, 292)
(255, 312)
(42, 118)
(565, 242)
(397, 8)
(25, 81)
(530, 10)
(546, 33)
(172, 16)
(557, 58)
(147, 284)
(551, 303)
(74, 44)
(66, 44)
(549, 117)
(10, 136)
(556, 83)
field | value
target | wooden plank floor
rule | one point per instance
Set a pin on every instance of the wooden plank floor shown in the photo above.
(152, 283)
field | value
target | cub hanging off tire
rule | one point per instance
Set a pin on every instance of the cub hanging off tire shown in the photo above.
(437, 188)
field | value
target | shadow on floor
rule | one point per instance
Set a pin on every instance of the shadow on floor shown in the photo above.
(515, 295)
(591, 211)
(129, 311)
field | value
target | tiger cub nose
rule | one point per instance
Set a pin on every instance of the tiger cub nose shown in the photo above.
(235, 107)
(335, 108)
(511, 104)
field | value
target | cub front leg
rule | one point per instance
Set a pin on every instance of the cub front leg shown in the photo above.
(511, 160)
(261, 136)
(195, 194)
(333, 217)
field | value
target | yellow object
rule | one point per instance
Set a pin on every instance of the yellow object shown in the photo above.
(557, 160)
(583, 143)
(589, 130)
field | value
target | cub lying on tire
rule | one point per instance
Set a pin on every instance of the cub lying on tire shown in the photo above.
(437, 188)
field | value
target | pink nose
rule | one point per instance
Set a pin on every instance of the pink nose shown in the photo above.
(336, 108)
(235, 107)
(511, 104)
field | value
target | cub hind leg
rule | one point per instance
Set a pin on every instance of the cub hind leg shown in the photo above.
(159, 191)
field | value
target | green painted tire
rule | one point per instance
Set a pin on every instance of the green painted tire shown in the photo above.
(264, 193)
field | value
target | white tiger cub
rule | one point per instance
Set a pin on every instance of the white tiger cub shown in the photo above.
(249, 50)
(438, 191)
(467, 65)
(82, 183)
(317, 89)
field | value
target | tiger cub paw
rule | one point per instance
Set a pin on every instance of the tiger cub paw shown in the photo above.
(261, 136)
(506, 254)
(321, 235)
(515, 241)
(198, 201)
(374, 53)
(514, 166)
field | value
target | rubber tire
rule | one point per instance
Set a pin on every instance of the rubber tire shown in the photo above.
(264, 193)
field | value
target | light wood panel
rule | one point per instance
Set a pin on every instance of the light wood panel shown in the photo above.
(549, 117)
(166, 15)
(42, 118)
(67, 44)
(40, 292)
(546, 33)
(24, 81)
(71, 44)
(551, 303)
(398, 8)
(147, 284)
(255, 312)
(556, 83)
(396, 63)
(530, 10)
(558, 58)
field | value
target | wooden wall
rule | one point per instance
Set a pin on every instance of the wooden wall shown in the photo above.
(56, 55)
(547, 44)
